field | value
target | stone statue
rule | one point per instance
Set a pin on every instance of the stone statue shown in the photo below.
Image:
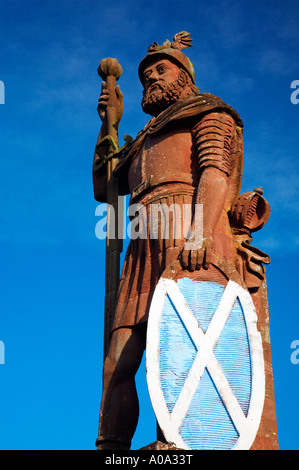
(189, 154)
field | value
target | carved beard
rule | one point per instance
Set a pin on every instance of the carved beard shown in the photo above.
(161, 95)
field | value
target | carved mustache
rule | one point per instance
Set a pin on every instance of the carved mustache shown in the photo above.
(160, 85)
(155, 86)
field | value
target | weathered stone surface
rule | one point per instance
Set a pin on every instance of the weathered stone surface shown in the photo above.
(190, 153)
(158, 445)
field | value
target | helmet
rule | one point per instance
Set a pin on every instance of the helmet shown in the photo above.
(171, 51)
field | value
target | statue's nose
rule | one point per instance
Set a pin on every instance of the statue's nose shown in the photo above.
(154, 76)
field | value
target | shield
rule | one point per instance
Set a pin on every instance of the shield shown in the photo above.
(204, 359)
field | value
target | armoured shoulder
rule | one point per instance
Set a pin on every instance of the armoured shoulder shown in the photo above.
(212, 136)
(193, 107)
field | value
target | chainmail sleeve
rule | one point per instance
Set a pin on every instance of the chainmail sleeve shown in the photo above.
(213, 136)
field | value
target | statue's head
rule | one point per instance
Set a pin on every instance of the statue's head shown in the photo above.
(167, 74)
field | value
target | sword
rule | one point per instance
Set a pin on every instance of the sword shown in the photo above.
(110, 70)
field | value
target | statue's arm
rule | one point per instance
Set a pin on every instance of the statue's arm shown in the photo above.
(212, 135)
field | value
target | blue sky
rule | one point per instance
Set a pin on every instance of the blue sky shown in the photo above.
(52, 269)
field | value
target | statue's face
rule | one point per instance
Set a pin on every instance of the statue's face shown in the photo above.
(160, 72)
(164, 83)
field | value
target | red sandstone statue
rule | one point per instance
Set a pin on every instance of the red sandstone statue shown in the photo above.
(190, 152)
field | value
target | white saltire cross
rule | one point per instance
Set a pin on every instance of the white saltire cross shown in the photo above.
(205, 358)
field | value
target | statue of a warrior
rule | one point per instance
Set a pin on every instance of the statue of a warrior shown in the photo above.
(189, 154)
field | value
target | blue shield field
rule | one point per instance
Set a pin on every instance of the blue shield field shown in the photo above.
(205, 366)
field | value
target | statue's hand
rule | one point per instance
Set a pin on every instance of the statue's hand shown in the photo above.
(194, 257)
(113, 100)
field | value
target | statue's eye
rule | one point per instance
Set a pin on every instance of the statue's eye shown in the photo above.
(161, 69)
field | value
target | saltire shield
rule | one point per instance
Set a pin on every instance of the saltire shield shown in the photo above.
(204, 359)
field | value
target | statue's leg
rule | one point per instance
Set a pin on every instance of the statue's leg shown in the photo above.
(119, 408)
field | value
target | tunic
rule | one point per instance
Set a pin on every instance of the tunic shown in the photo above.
(162, 170)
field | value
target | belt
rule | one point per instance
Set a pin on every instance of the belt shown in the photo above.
(151, 182)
